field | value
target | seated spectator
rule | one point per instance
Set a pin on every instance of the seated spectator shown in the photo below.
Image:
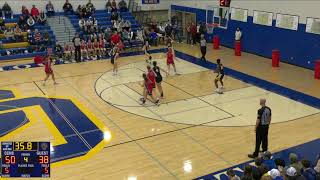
(263, 169)
(280, 163)
(123, 6)
(9, 34)
(6, 9)
(30, 37)
(90, 8)
(35, 13)
(108, 6)
(114, 17)
(114, 6)
(37, 37)
(131, 34)
(107, 34)
(42, 18)
(18, 34)
(82, 24)
(30, 22)
(84, 12)
(275, 174)
(79, 12)
(232, 175)
(59, 52)
(292, 174)
(247, 173)
(154, 38)
(127, 25)
(116, 26)
(307, 171)
(256, 173)
(317, 167)
(50, 9)
(95, 24)
(268, 161)
(67, 7)
(294, 162)
(89, 24)
(2, 25)
(25, 12)
(22, 24)
(46, 38)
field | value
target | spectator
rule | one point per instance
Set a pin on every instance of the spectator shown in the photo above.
(131, 34)
(82, 25)
(203, 47)
(275, 174)
(307, 171)
(95, 24)
(247, 173)
(123, 6)
(107, 34)
(114, 17)
(9, 34)
(59, 52)
(317, 167)
(22, 24)
(268, 161)
(35, 13)
(232, 175)
(25, 12)
(67, 7)
(114, 6)
(292, 174)
(30, 37)
(18, 34)
(154, 38)
(50, 9)
(90, 8)
(37, 37)
(280, 163)
(188, 30)
(238, 35)
(42, 18)
(79, 11)
(46, 38)
(294, 162)
(256, 173)
(6, 9)
(168, 30)
(30, 22)
(194, 33)
(108, 6)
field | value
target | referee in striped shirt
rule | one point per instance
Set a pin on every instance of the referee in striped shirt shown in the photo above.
(262, 128)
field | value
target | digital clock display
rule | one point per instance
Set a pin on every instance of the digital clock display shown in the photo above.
(225, 3)
(25, 159)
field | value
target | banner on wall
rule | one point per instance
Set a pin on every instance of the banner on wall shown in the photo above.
(313, 25)
(239, 14)
(262, 18)
(150, 1)
(287, 21)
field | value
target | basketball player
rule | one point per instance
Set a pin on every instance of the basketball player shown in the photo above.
(151, 76)
(148, 90)
(84, 50)
(96, 48)
(114, 56)
(146, 48)
(48, 70)
(157, 70)
(90, 49)
(170, 60)
(219, 77)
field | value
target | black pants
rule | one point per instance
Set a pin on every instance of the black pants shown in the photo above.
(203, 52)
(261, 137)
(77, 54)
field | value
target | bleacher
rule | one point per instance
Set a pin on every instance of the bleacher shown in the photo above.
(103, 18)
(18, 49)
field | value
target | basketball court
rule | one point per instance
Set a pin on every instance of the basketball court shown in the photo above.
(99, 130)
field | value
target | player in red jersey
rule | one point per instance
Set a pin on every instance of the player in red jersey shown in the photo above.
(90, 48)
(102, 47)
(151, 76)
(148, 90)
(48, 70)
(170, 59)
(96, 48)
(84, 50)
(115, 54)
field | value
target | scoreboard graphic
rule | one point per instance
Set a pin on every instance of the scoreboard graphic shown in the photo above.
(25, 159)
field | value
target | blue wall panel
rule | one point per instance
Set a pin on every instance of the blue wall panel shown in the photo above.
(296, 47)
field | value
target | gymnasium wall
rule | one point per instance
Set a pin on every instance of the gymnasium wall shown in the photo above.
(296, 47)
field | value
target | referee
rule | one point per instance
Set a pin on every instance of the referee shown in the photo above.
(203, 47)
(262, 128)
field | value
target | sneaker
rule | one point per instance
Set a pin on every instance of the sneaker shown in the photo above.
(161, 95)
(157, 102)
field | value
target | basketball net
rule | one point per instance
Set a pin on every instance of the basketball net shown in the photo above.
(210, 27)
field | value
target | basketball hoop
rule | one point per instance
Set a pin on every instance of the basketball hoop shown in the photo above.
(210, 27)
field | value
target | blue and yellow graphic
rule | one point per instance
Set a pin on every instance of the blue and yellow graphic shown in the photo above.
(77, 133)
